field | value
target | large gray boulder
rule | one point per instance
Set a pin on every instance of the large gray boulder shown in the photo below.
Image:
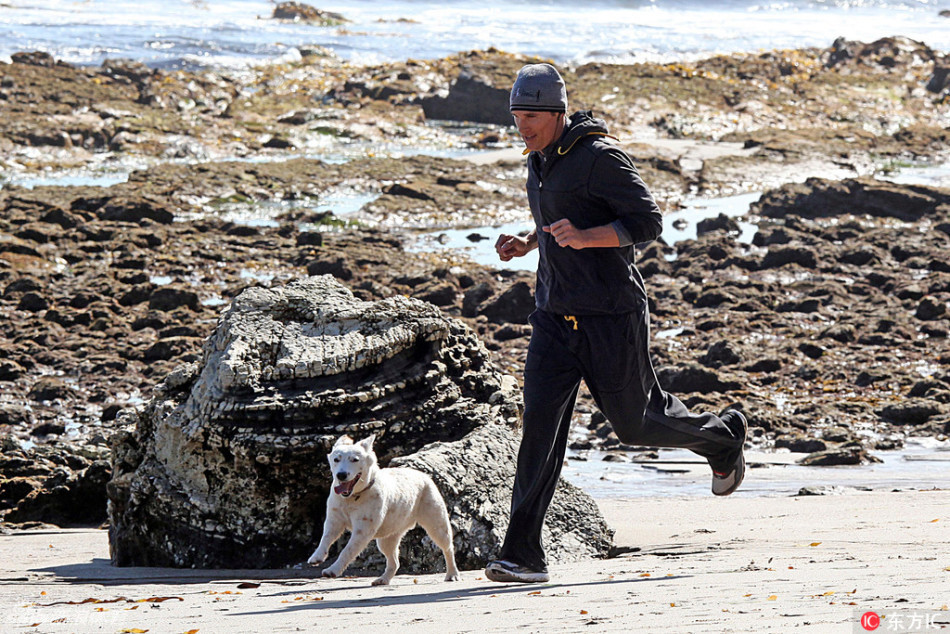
(473, 96)
(226, 465)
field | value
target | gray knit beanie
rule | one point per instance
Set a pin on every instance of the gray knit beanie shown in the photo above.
(538, 87)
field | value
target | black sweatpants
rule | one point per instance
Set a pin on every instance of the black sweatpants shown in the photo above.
(611, 354)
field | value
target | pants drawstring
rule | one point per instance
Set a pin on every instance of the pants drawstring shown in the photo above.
(572, 319)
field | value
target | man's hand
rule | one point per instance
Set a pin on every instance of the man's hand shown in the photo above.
(508, 246)
(567, 235)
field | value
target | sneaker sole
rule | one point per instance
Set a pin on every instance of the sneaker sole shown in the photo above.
(740, 476)
(740, 465)
(503, 576)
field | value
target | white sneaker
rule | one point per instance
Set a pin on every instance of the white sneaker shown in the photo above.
(505, 571)
(724, 483)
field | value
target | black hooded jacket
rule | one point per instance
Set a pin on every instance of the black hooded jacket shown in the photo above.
(591, 182)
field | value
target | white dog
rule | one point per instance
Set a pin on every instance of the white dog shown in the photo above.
(379, 503)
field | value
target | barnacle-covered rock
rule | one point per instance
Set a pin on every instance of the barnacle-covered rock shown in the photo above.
(226, 466)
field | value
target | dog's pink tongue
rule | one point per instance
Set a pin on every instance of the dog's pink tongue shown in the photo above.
(345, 488)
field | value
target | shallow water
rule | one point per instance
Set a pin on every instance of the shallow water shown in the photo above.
(922, 464)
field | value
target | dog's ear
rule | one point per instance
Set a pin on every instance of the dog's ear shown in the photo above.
(367, 443)
(343, 440)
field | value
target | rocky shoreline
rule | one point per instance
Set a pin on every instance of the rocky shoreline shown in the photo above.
(830, 327)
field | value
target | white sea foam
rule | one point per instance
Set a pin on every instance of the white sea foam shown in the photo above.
(239, 32)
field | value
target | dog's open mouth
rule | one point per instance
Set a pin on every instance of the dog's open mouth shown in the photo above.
(346, 488)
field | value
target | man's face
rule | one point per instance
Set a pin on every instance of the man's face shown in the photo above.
(538, 129)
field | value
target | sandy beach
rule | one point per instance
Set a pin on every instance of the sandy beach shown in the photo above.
(740, 564)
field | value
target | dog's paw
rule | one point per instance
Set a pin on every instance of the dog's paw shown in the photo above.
(381, 581)
(331, 573)
(452, 576)
(316, 560)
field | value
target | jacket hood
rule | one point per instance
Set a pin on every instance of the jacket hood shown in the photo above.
(582, 124)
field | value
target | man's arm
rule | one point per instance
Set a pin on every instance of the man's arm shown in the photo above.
(508, 246)
(616, 181)
(567, 235)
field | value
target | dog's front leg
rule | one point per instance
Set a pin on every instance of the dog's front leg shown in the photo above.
(360, 537)
(333, 527)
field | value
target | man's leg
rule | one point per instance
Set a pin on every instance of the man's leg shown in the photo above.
(619, 372)
(551, 382)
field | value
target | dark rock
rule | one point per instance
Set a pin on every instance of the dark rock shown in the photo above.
(440, 295)
(168, 298)
(10, 370)
(693, 379)
(766, 365)
(940, 79)
(243, 231)
(170, 348)
(766, 237)
(71, 500)
(713, 298)
(811, 350)
(310, 239)
(810, 305)
(512, 331)
(838, 456)
(861, 256)
(911, 412)
(930, 308)
(414, 191)
(130, 262)
(722, 222)
(842, 333)
(721, 353)
(776, 257)
(110, 412)
(32, 302)
(888, 53)
(50, 388)
(474, 296)
(300, 12)
(926, 387)
(21, 285)
(471, 97)
(137, 295)
(46, 429)
(337, 267)
(152, 320)
(819, 198)
(800, 444)
(512, 306)
(34, 58)
(278, 142)
(866, 378)
(136, 210)
(138, 72)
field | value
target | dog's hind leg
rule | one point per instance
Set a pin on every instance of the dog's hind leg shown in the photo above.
(437, 526)
(389, 546)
